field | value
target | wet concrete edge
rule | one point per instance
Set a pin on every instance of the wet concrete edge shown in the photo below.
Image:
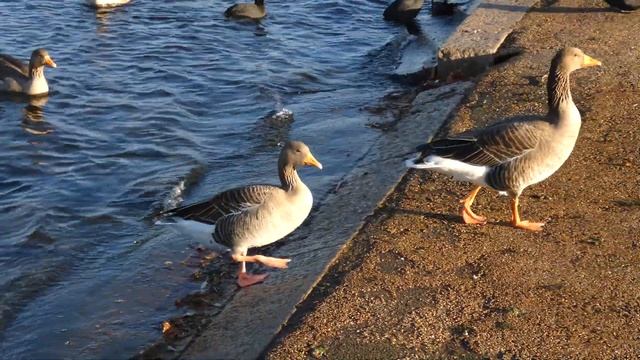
(245, 337)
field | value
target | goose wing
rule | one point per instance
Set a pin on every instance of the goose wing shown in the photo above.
(228, 202)
(12, 67)
(489, 146)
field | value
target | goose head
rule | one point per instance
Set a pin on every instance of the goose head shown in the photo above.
(297, 154)
(40, 57)
(571, 59)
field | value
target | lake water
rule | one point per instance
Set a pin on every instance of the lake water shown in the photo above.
(153, 103)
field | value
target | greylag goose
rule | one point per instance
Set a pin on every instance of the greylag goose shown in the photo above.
(255, 11)
(403, 10)
(513, 154)
(624, 5)
(106, 3)
(253, 215)
(17, 77)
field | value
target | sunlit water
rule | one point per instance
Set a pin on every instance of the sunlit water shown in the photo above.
(152, 103)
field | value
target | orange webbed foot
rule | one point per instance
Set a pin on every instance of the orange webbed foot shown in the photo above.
(469, 217)
(246, 279)
(528, 225)
(273, 262)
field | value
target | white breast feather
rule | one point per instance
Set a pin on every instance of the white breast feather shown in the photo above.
(37, 86)
(284, 219)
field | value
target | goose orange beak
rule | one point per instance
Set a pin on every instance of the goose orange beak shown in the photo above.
(589, 61)
(311, 161)
(49, 62)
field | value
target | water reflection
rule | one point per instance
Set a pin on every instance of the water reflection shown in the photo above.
(102, 17)
(33, 120)
(260, 30)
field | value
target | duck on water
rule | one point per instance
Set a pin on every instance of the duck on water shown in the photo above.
(253, 215)
(516, 153)
(17, 77)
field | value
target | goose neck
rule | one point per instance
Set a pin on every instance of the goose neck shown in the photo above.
(558, 90)
(36, 72)
(288, 177)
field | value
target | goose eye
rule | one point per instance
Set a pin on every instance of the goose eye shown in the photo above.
(297, 150)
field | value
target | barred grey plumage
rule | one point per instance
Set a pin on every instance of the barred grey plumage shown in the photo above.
(516, 153)
(17, 77)
(225, 203)
(254, 215)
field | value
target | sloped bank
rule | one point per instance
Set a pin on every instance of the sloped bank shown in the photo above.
(416, 283)
(241, 324)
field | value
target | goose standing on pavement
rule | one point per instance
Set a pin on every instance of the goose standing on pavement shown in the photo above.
(514, 154)
(17, 77)
(253, 215)
(255, 11)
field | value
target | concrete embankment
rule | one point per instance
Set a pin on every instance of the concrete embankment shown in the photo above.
(417, 283)
(229, 335)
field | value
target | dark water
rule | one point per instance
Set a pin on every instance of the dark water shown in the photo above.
(151, 103)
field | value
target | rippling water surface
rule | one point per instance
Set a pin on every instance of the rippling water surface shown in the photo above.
(151, 103)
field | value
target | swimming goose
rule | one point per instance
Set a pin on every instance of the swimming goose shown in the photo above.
(253, 215)
(106, 3)
(254, 11)
(17, 77)
(514, 154)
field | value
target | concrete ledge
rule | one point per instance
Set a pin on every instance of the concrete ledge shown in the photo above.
(472, 48)
(230, 336)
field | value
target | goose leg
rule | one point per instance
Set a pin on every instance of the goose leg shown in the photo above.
(468, 216)
(244, 278)
(522, 224)
(264, 260)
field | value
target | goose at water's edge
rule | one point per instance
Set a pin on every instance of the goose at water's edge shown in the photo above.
(253, 215)
(255, 11)
(513, 154)
(16, 77)
(403, 10)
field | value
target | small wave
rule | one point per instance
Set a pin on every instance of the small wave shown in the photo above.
(176, 194)
(38, 238)
(283, 116)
